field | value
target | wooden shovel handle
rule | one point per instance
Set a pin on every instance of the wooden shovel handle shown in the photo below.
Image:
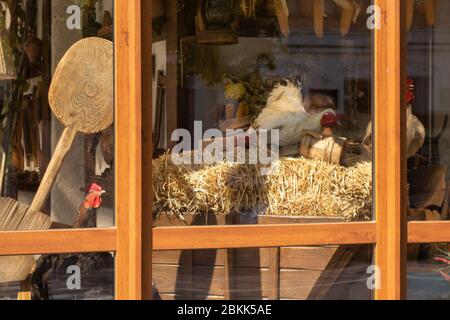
(54, 167)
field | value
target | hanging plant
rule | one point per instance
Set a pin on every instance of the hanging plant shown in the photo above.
(250, 88)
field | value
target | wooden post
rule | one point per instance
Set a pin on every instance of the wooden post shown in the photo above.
(229, 273)
(187, 265)
(133, 258)
(390, 150)
(147, 148)
(274, 273)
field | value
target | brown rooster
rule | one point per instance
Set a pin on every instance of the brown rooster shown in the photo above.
(95, 267)
(87, 214)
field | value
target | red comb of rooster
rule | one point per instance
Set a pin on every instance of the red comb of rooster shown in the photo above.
(95, 188)
(93, 199)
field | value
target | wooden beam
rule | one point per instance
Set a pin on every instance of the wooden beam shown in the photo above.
(147, 148)
(262, 236)
(390, 150)
(429, 232)
(57, 241)
(128, 119)
(104, 240)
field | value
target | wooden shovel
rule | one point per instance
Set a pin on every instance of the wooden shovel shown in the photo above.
(81, 97)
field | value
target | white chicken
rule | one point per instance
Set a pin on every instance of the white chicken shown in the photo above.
(415, 130)
(285, 111)
(415, 133)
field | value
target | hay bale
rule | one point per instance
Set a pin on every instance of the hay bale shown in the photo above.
(297, 187)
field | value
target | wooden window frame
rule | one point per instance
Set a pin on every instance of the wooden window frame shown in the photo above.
(133, 239)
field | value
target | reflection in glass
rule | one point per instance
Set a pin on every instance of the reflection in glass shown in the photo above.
(314, 273)
(223, 75)
(429, 272)
(40, 34)
(428, 138)
(66, 277)
(34, 113)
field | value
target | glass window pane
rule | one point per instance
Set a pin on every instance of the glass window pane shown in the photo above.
(260, 113)
(429, 272)
(428, 111)
(57, 86)
(428, 137)
(300, 273)
(36, 102)
(64, 277)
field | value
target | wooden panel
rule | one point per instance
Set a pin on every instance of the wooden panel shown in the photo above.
(57, 241)
(251, 284)
(128, 119)
(312, 258)
(172, 297)
(166, 279)
(250, 258)
(315, 258)
(429, 232)
(147, 147)
(352, 282)
(210, 281)
(205, 280)
(229, 276)
(194, 219)
(297, 284)
(390, 150)
(166, 257)
(209, 257)
(297, 220)
(274, 273)
(262, 236)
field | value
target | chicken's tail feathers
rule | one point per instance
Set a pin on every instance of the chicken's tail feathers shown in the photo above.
(286, 87)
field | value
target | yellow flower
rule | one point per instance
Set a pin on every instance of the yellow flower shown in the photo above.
(235, 91)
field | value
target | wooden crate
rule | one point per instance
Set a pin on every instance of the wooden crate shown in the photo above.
(261, 273)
